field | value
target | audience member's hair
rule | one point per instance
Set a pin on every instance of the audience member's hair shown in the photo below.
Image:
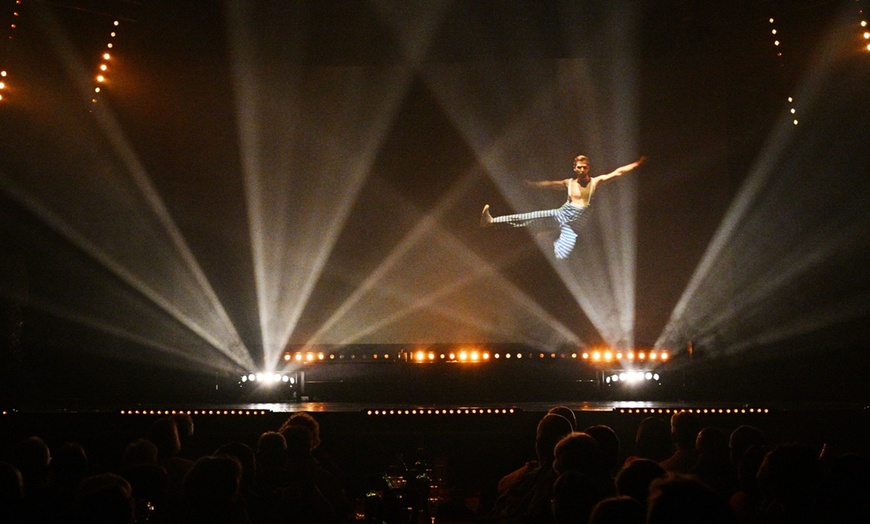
(683, 499)
(105, 498)
(140, 451)
(574, 496)
(791, 477)
(635, 478)
(618, 510)
(608, 443)
(685, 426)
(298, 440)
(653, 439)
(213, 480)
(743, 438)
(271, 448)
(69, 463)
(11, 483)
(566, 412)
(164, 435)
(578, 452)
(550, 431)
(308, 422)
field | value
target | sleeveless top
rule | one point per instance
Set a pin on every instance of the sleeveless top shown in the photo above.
(582, 196)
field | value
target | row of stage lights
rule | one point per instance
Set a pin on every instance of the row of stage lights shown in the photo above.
(631, 377)
(442, 411)
(512, 410)
(101, 77)
(863, 30)
(103, 69)
(445, 411)
(777, 43)
(10, 30)
(476, 356)
(268, 378)
(697, 411)
(863, 27)
(221, 412)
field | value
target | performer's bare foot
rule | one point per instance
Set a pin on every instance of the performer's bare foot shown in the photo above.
(485, 217)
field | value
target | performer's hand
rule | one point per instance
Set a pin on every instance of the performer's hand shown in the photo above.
(641, 160)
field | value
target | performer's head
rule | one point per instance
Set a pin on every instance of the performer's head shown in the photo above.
(581, 166)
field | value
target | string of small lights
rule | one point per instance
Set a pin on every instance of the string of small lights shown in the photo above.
(442, 411)
(200, 412)
(102, 76)
(863, 28)
(777, 44)
(604, 356)
(742, 410)
(10, 19)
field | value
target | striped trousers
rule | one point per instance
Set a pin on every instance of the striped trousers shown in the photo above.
(565, 218)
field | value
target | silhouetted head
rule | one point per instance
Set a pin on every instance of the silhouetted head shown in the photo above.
(683, 499)
(634, 479)
(550, 431)
(308, 422)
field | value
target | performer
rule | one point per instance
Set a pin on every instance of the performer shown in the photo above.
(566, 218)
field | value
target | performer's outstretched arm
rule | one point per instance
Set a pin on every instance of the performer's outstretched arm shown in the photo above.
(622, 170)
(551, 184)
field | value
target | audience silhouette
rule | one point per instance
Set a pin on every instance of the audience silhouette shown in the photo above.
(685, 427)
(734, 478)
